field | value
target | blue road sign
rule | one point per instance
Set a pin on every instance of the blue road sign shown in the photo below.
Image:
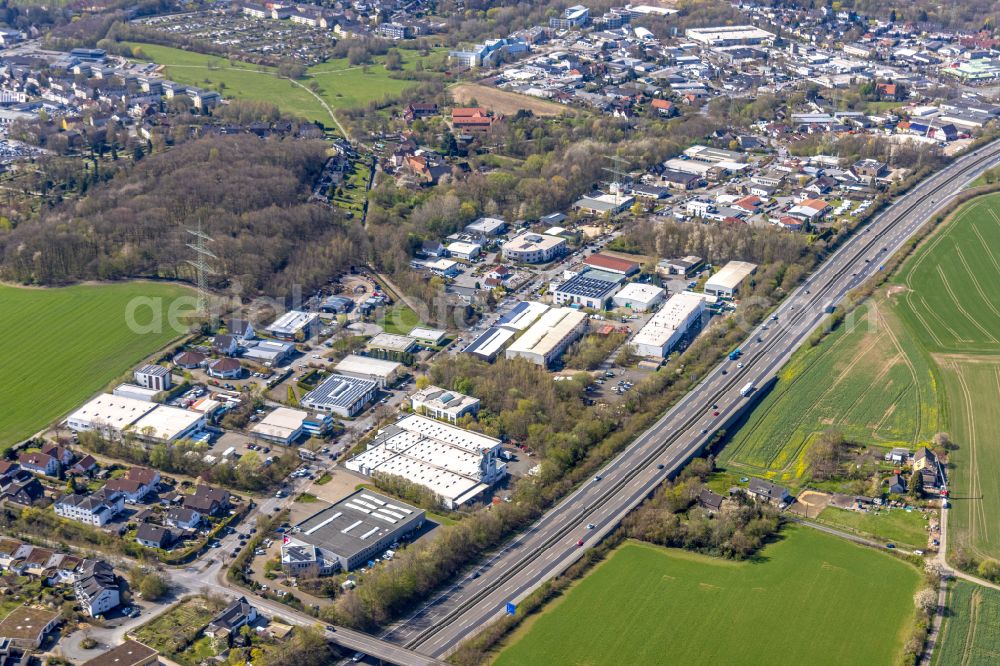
(511, 608)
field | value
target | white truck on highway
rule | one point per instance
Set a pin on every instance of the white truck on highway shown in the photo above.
(747, 390)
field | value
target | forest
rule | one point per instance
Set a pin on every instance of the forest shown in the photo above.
(248, 195)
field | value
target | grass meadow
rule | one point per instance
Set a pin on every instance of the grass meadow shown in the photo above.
(811, 599)
(971, 634)
(341, 85)
(61, 345)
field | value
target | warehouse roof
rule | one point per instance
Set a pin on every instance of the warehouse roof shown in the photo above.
(551, 329)
(675, 314)
(338, 391)
(114, 411)
(731, 275)
(636, 291)
(591, 284)
(167, 422)
(523, 315)
(365, 365)
(282, 423)
(612, 264)
(392, 342)
(491, 342)
(356, 522)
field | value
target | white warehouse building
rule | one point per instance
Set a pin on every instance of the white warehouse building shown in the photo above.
(458, 465)
(666, 328)
(728, 281)
(639, 297)
(549, 337)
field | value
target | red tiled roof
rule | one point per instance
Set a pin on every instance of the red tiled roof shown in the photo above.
(611, 263)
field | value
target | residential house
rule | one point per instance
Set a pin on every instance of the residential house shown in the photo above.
(416, 110)
(61, 453)
(184, 519)
(472, 119)
(709, 501)
(208, 501)
(133, 491)
(925, 462)
(20, 487)
(230, 620)
(97, 587)
(95, 509)
(85, 466)
(768, 492)
(225, 344)
(154, 536)
(241, 329)
(897, 485)
(39, 463)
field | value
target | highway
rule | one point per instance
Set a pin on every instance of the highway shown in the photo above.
(549, 546)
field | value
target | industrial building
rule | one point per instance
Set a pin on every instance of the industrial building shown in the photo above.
(464, 250)
(610, 264)
(294, 325)
(729, 35)
(108, 415)
(442, 404)
(135, 391)
(490, 343)
(728, 281)
(384, 373)
(282, 426)
(639, 297)
(549, 337)
(532, 248)
(390, 342)
(668, 326)
(428, 336)
(270, 353)
(455, 464)
(589, 289)
(341, 395)
(349, 534)
(486, 226)
(167, 424)
(523, 315)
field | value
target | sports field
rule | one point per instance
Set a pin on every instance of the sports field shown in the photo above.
(971, 632)
(62, 345)
(812, 599)
(867, 379)
(340, 84)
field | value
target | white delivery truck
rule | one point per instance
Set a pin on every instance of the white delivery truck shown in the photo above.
(747, 390)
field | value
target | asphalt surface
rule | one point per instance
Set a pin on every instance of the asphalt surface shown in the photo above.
(549, 546)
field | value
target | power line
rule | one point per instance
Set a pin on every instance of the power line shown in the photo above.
(200, 263)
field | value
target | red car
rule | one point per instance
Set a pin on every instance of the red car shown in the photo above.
(715, 413)
(579, 543)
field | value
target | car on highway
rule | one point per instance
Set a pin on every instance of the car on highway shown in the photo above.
(597, 478)
(591, 526)
(579, 543)
(704, 431)
(715, 413)
(739, 366)
(330, 627)
(660, 466)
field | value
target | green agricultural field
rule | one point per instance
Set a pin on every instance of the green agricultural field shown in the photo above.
(950, 300)
(866, 380)
(341, 85)
(811, 599)
(971, 632)
(62, 345)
